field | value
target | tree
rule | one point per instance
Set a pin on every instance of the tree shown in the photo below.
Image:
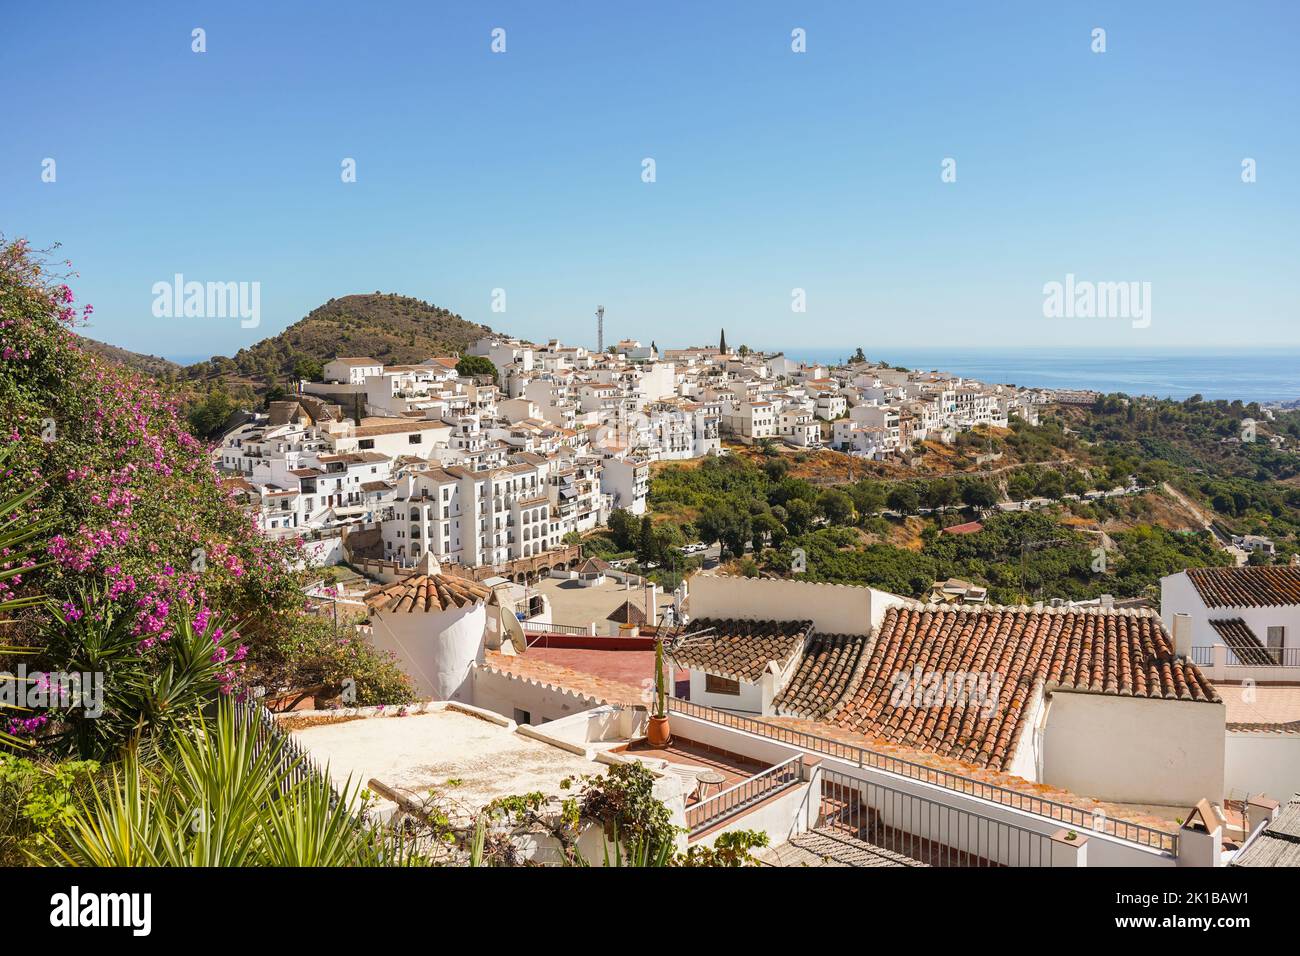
(625, 528)
(1021, 486)
(471, 365)
(836, 506)
(308, 369)
(722, 342)
(941, 493)
(979, 494)
(767, 531)
(904, 500)
(859, 356)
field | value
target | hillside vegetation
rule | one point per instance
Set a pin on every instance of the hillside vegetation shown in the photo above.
(395, 329)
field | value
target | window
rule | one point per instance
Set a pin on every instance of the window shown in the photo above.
(415, 439)
(366, 443)
(1276, 636)
(721, 685)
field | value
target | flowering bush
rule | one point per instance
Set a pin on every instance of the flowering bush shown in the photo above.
(133, 498)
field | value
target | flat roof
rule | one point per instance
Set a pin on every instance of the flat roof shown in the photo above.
(419, 752)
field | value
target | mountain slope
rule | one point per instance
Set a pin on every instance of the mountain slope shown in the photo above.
(136, 361)
(393, 328)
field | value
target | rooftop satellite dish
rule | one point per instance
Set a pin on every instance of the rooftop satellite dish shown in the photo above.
(512, 630)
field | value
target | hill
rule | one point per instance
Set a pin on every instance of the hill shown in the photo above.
(393, 328)
(149, 364)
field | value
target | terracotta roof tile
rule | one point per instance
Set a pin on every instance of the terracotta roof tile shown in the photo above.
(426, 592)
(1247, 587)
(1237, 634)
(740, 650)
(600, 689)
(1023, 651)
(830, 664)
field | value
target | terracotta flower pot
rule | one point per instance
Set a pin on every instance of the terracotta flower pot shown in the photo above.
(657, 734)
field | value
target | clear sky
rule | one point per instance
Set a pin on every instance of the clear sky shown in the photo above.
(775, 170)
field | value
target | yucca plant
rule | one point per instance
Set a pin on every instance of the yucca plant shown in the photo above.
(145, 695)
(219, 797)
(19, 547)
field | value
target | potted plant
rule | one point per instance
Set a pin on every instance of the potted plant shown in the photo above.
(658, 735)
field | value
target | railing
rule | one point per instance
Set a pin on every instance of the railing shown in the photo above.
(1248, 657)
(556, 628)
(739, 797)
(930, 832)
(864, 757)
(1265, 657)
(296, 763)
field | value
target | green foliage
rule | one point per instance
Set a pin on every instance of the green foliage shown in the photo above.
(730, 849)
(476, 365)
(623, 801)
(36, 801)
(145, 692)
(310, 652)
(216, 798)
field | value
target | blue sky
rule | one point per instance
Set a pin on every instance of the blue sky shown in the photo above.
(775, 170)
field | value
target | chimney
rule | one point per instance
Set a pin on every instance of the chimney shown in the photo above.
(1183, 635)
(652, 605)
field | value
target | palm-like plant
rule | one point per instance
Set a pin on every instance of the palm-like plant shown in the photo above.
(220, 797)
(143, 695)
(19, 547)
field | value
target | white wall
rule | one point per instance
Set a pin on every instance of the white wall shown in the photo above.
(833, 608)
(1178, 596)
(748, 701)
(436, 649)
(1133, 749)
(1267, 763)
(502, 693)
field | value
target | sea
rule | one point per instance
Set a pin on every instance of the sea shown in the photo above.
(1245, 374)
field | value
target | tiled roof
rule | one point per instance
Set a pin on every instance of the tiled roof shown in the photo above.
(829, 664)
(970, 527)
(1124, 653)
(603, 690)
(594, 566)
(1279, 844)
(627, 613)
(426, 591)
(740, 650)
(1237, 634)
(1247, 587)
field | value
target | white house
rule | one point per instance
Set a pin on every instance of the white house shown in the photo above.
(1254, 611)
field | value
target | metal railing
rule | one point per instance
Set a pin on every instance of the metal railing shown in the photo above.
(555, 628)
(296, 764)
(1064, 813)
(1265, 657)
(740, 796)
(930, 832)
(1248, 657)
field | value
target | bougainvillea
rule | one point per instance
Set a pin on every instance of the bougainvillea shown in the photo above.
(136, 502)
